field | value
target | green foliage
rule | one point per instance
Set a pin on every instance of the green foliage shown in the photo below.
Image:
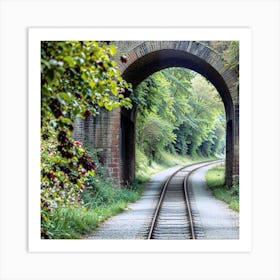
(204, 119)
(155, 135)
(229, 51)
(146, 167)
(101, 200)
(215, 178)
(181, 112)
(69, 223)
(63, 174)
(142, 163)
(77, 78)
(101, 191)
(61, 183)
(231, 55)
(165, 94)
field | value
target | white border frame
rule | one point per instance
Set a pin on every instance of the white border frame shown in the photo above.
(243, 35)
(262, 16)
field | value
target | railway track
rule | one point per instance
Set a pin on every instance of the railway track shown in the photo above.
(174, 217)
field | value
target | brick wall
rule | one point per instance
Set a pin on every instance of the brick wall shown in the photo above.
(101, 134)
(113, 133)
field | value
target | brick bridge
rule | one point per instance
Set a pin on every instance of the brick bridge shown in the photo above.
(113, 133)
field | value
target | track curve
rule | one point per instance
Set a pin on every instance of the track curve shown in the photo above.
(173, 216)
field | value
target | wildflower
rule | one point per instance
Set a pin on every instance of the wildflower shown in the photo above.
(78, 143)
(45, 184)
(53, 205)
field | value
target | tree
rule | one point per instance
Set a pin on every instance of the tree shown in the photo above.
(155, 135)
(199, 124)
(185, 108)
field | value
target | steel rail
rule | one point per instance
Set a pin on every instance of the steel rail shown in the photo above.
(187, 198)
(163, 191)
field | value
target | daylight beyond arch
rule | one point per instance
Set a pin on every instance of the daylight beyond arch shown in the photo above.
(158, 60)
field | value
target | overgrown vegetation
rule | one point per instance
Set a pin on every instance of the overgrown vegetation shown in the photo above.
(145, 168)
(180, 120)
(180, 116)
(215, 178)
(77, 78)
(101, 200)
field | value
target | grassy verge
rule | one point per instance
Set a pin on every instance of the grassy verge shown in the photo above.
(101, 200)
(215, 178)
(145, 168)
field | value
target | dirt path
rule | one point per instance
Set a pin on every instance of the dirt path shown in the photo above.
(216, 219)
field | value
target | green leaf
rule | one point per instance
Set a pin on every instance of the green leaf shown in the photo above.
(108, 106)
(92, 83)
(46, 63)
(67, 96)
(70, 60)
(114, 88)
(50, 75)
(84, 76)
(65, 120)
(113, 50)
(76, 110)
(100, 103)
(61, 100)
(53, 123)
(89, 92)
(53, 62)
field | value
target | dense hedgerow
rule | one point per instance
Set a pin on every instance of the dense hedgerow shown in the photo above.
(77, 78)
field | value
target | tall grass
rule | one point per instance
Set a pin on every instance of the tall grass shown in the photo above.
(101, 200)
(215, 178)
(146, 167)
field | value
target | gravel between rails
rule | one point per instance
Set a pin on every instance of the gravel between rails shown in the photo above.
(216, 219)
(134, 223)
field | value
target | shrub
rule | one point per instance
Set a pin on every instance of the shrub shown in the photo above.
(77, 78)
(62, 178)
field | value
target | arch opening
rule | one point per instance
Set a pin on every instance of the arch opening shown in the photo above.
(153, 62)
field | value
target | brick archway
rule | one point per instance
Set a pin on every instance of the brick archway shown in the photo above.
(146, 58)
(113, 133)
